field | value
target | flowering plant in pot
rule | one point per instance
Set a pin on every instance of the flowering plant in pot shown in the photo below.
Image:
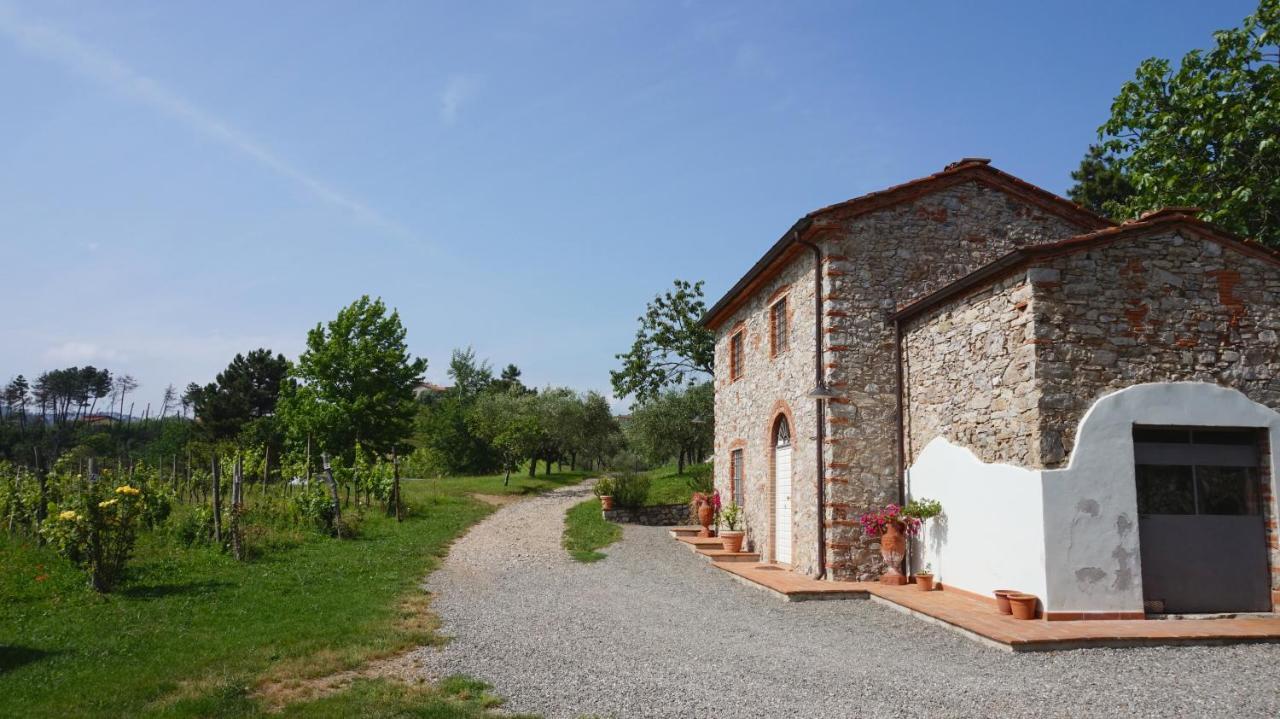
(731, 536)
(705, 507)
(924, 578)
(604, 490)
(892, 528)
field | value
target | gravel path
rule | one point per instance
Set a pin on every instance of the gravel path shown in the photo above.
(653, 631)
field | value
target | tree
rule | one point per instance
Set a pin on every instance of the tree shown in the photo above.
(17, 394)
(170, 397)
(1101, 183)
(676, 424)
(1208, 133)
(670, 346)
(246, 392)
(124, 384)
(509, 422)
(357, 381)
(470, 376)
(509, 381)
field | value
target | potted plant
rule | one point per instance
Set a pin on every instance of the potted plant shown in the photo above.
(705, 508)
(604, 490)
(924, 578)
(1023, 605)
(892, 528)
(920, 511)
(731, 536)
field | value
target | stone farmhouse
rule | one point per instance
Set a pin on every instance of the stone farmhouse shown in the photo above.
(1094, 404)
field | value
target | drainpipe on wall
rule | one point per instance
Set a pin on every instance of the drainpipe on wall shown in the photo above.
(820, 394)
(902, 418)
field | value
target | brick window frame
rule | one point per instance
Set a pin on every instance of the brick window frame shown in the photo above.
(779, 326)
(737, 352)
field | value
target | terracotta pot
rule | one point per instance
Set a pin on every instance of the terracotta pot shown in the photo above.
(706, 515)
(731, 540)
(606, 502)
(1002, 600)
(924, 582)
(893, 547)
(1023, 605)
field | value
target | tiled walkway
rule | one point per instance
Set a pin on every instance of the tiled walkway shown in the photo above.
(977, 617)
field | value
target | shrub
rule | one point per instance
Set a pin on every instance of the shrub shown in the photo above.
(604, 487)
(314, 507)
(700, 478)
(627, 462)
(630, 489)
(194, 527)
(157, 505)
(97, 532)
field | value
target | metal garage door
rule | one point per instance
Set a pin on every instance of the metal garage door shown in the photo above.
(1200, 520)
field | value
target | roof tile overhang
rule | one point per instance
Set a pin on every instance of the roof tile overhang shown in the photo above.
(1152, 222)
(969, 169)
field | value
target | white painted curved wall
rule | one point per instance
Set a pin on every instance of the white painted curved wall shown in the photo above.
(1069, 536)
(991, 533)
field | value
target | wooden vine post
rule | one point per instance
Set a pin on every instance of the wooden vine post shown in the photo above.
(333, 491)
(237, 509)
(217, 501)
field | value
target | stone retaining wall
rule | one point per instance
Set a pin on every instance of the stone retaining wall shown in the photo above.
(661, 515)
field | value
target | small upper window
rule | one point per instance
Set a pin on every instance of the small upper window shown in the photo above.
(778, 335)
(735, 355)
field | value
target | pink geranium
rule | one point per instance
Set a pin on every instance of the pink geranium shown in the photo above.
(875, 523)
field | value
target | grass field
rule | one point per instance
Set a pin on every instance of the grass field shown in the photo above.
(191, 632)
(668, 487)
(586, 531)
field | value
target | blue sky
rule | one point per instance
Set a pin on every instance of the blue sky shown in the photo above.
(180, 181)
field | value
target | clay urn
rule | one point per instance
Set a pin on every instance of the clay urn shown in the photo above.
(606, 502)
(893, 547)
(706, 515)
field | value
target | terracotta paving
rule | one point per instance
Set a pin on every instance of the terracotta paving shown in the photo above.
(977, 618)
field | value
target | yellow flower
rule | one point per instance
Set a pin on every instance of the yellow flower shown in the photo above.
(126, 489)
(106, 504)
(68, 516)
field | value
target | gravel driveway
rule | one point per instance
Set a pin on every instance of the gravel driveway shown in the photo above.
(653, 631)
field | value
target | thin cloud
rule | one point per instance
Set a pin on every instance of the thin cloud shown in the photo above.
(75, 352)
(105, 69)
(458, 91)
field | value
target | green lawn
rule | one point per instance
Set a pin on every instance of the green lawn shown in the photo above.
(585, 531)
(191, 632)
(668, 487)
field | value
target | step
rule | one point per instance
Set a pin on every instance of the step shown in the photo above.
(702, 542)
(720, 555)
(685, 531)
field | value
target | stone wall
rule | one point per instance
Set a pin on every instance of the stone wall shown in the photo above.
(747, 409)
(876, 261)
(968, 369)
(1169, 306)
(660, 515)
(880, 261)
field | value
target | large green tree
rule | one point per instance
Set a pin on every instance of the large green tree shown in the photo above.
(1101, 184)
(677, 424)
(1207, 133)
(241, 396)
(356, 382)
(671, 346)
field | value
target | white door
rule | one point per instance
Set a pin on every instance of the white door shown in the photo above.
(782, 495)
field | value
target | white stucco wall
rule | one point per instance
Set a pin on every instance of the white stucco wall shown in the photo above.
(1070, 535)
(1091, 505)
(991, 533)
